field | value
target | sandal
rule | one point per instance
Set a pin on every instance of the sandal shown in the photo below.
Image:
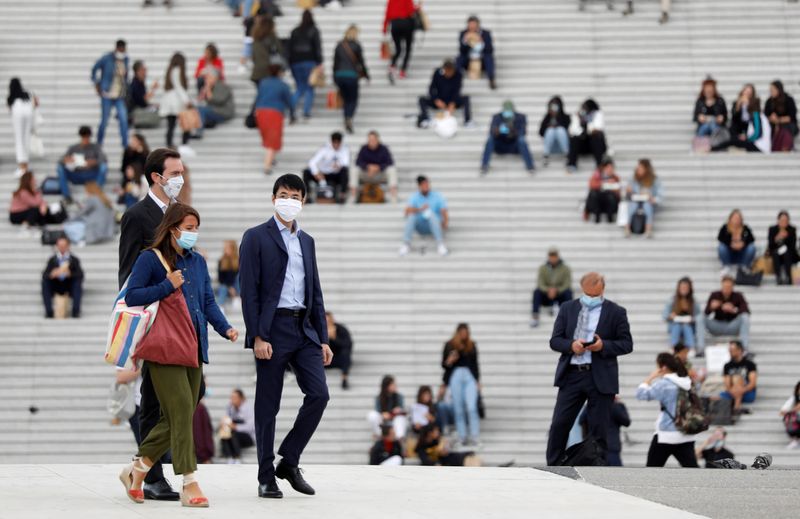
(126, 477)
(192, 502)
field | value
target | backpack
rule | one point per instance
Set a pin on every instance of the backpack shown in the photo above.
(371, 194)
(587, 453)
(689, 415)
(638, 220)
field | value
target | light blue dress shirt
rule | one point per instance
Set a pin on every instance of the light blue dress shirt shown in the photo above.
(293, 293)
(587, 334)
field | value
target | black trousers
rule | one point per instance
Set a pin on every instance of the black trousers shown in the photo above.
(587, 144)
(736, 143)
(339, 181)
(232, 447)
(348, 87)
(402, 34)
(578, 388)
(172, 121)
(600, 203)
(133, 421)
(461, 102)
(73, 287)
(342, 359)
(782, 264)
(659, 453)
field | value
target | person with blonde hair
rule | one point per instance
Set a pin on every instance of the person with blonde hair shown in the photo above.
(348, 68)
(736, 242)
(228, 274)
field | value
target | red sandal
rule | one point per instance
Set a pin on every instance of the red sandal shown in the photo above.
(126, 477)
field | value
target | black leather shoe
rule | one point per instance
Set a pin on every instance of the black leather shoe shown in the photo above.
(270, 490)
(160, 491)
(295, 478)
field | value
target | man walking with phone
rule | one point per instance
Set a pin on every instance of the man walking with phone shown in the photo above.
(590, 333)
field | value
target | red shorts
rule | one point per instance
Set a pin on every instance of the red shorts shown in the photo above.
(270, 124)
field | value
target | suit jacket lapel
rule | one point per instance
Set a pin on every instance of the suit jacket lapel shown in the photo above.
(308, 264)
(272, 227)
(573, 321)
(603, 313)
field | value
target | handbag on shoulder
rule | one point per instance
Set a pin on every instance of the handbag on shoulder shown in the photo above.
(190, 120)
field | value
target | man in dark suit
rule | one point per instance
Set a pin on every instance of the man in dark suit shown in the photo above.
(164, 172)
(475, 42)
(590, 333)
(285, 318)
(62, 275)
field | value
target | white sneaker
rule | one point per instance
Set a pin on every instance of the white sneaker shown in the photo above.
(442, 250)
(404, 250)
(242, 69)
(186, 151)
(470, 125)
(793, 444)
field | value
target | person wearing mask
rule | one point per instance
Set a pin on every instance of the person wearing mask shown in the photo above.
(727, 312)
(21, 104)
(782, 247)
(604, 193)
(375, 166)
(736, 242)
(387, 450)
(169, 265)
(141, 112)
(284, 313)
(433, 450)
(444, 94)
(273, 100)
(586, 135)
(781, 111)
(110, 78)
(710, 111)
(507, 135)
(475, 43)
(400, 21)
(305, 55)
(426, 213)
(740, 116)
(790, 413)
(349, 67)
(341, 344)
(389, 409)
(328, 170)
(664, 385)
(134, 186)
(462, 375)
(589, 333)
(713, 449)
(62, 275)
(758, 137)
(97, 216)
(619, 418)
(217, 105)
(175, 99)
(644, 192)
(684, 318)
(83, 162)
(554, 129)
(164, 174)
(267, 48)
(228, 274)
(553, 286)
(208, 63)
(239, 425)
(741, 379)
(28, 206)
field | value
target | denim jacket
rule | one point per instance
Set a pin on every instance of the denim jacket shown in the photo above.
(107, 66)
(148, 283)
(665, 390)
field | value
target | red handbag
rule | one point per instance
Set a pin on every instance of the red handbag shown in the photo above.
(172, 340)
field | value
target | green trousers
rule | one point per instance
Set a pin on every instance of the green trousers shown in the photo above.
(177, 388)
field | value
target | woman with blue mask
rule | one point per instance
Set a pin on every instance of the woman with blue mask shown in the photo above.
(171, 264)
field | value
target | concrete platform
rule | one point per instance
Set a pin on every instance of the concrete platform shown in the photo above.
(351, 492)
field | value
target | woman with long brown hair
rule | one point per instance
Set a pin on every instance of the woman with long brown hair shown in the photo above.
(740, 115)
(462, 375)
(175, 99)
(683, 315)
(228, 273)
(171, 264)
(736, 242)
(644, 191)
(27, 203)
(710, 112)
(267, 48)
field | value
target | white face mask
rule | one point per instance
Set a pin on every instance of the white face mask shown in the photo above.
(173, 187)
(288, 208)
(119, 55)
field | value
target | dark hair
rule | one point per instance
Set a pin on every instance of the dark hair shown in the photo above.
(155, 162)
(26, 184)
(213, 50)
(64, 237)
(780, 100)
(163, 237)
(422, 390)
(375, 133)
(386, 430)
(177, 60)
(120, 44)
(336, 137)
(606, 161)
(783, 212)
(590, 105)
(85, 131)
(383, 397)
(15, 91)
(683, 303)
(679, 348)
(424, 432)
(291, 182)
(264, 27)
(421, 179)
(275, 69)
(473, 18)
(557, 100)
(307, 19)
(709, 81)
(755, 105)
(137, 65)
(738, 344)
(449, 64)
(797, 394)
(669, 361)
(240, 393)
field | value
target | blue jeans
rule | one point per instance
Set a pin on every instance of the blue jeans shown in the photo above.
(743, 257)
(65, 177)
(707, 129)
(649, 210)
(424, 226)
(444, 415)
(233, 5)
(685, 330)
(747, 398)
(556, 141)
(301, 71)
(207, 115)
(464, 390)
(223, 292)
(122, 115)
(503, 146)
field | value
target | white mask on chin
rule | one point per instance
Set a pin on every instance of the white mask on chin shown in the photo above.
(288, 208)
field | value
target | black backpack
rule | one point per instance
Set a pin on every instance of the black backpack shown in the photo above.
(638, 220)
(587, 453)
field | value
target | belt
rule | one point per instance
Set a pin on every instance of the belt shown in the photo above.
(288, 312)
(580, 367)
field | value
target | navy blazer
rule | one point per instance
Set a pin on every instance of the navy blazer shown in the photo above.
(464, 49)
(612, 327)
(263, 259)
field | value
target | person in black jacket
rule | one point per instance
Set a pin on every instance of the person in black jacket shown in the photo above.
(710, 112)
(736, 242)
(348, 68)
(387, 450)
(554, 129)
(444, 94)
(782, 245)
(342, 346)
(619, 418)
(462, 375)
(62, 275)
(781, 111)
(476, 43)
(507, 135)
(305, 54)
(164, 174)
(740, 112)
(432, 449)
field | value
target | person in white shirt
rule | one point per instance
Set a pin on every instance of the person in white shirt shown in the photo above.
(238, 428)
(328, 171)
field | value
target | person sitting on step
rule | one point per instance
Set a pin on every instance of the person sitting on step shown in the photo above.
(604, 193)
(475, 44)
(387, 450)
(790, 413)
(782, 246)
(736, 246)
(375, 166)
(553, 287)
(587, 135)
(389, 409)
(713, 449)
(63, 275)
(710, 112)
(83, 162)
(328, 171)
(684, 318)
(427, 214)
(432, 449)
(741, 379)
(238, 427)
(507, 135)
(643, 192)
(444, 94)
(341, 344)
(554, 129)
(727, 312)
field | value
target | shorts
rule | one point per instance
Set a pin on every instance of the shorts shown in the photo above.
(747, 398)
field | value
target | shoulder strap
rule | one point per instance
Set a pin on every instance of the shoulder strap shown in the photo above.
(162, 260)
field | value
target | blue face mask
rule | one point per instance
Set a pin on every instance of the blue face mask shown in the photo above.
(591, 302)
(508, 114)
(187, 240)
